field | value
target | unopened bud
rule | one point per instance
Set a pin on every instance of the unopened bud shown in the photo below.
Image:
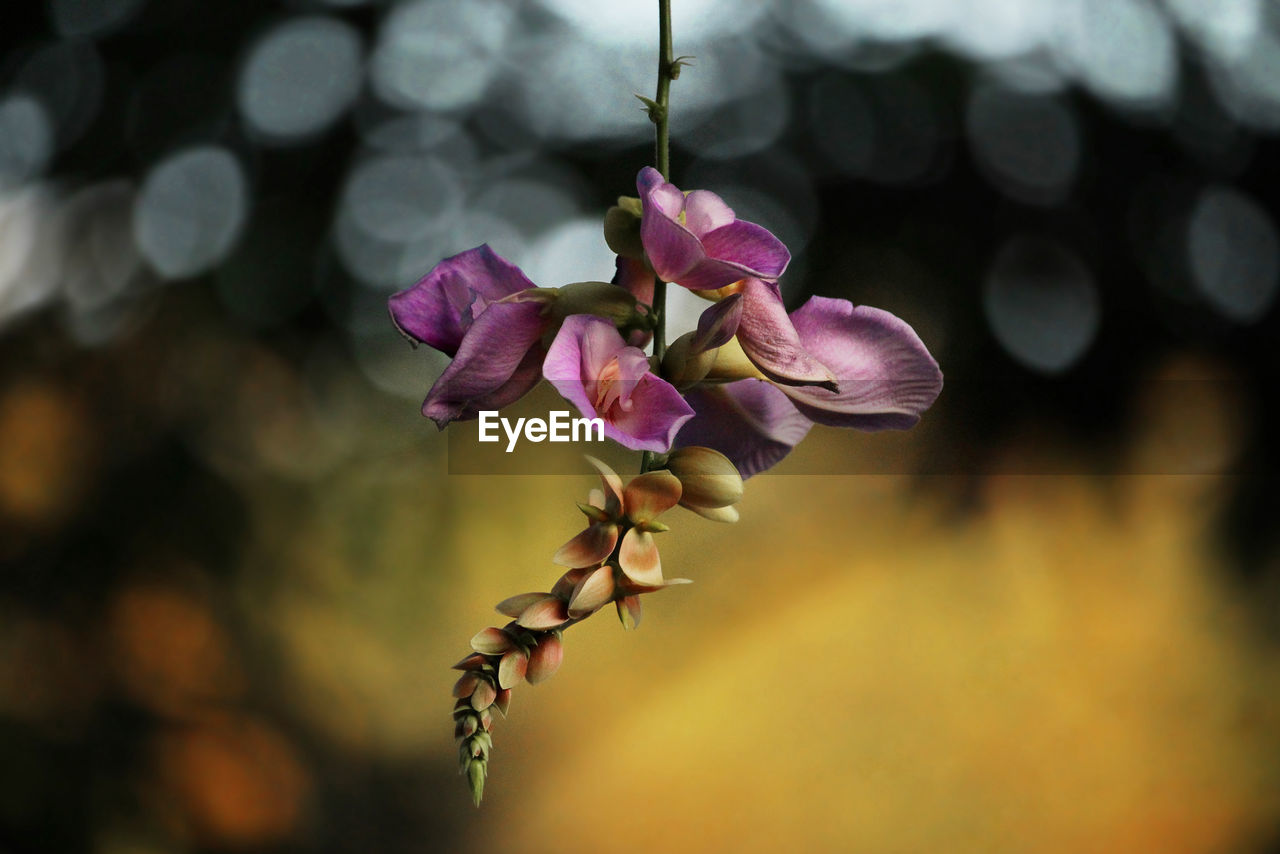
(682, 366)
(476, 772)
(622, 228)
(707, 477)
(598, 298)
(545, 659)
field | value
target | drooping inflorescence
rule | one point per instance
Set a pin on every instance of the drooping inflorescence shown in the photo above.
(723, 403)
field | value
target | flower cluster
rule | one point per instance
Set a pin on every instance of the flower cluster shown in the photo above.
(615, 559)
(722, 403)
(749, 382)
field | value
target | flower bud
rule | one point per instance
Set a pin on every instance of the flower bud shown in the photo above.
(731, 363)
(475, 777)
(682, 366)
(597, 298)
(707, 478)
(622, 229)
(545, 659)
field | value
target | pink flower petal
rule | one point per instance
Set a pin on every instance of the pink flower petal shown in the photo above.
(492, 641)
(514, 606)
(512, 668)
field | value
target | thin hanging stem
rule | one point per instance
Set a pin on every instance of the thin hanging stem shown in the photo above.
(659, 112)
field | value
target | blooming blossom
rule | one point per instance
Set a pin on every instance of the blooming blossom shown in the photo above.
(695, 240)
(485, 313)
(598, 372)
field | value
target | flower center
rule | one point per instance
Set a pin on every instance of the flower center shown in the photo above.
(609, 390)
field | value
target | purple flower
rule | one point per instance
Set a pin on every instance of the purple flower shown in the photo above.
(696, 241)
(480, 309)
(884, 378)
(596, 371)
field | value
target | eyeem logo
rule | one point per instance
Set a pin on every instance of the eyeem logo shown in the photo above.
(559, 428)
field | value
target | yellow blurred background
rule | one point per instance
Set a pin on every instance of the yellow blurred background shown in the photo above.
(266, 573)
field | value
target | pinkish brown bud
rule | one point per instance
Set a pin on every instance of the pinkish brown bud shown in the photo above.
(484, 695)
(492, 641)
(592, 593)
(474, 661)
(546, 614)
(512, 668)
(569, 582)
(502, 702)
(515, 605)
(466, 685)
(649, 495)
(629, 612)
(545, 659)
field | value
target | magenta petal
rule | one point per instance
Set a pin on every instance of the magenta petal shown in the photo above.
(885, 374)
(752, 246)
(772, 343)
(718, 324)
(750, 421)
(438, 309)
(492, 365)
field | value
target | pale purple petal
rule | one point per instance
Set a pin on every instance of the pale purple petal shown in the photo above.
(750, 421)
(565, 366)
(772, 343)
(752, 246)
(885, 374)
(438, 309)
(705, 211)
(494, 353)
(728, 250)
(718, 324)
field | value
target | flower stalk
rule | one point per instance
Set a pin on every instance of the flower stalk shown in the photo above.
(660, 114)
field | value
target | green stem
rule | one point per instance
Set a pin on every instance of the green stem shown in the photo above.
(667, 71)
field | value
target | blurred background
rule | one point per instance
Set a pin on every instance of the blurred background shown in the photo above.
(234, 566)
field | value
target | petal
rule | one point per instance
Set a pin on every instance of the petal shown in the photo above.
(494, 351)
(474, 661)
(638, 279)
(718, 324)
(438, 309)
(592, 593)
(751, 246)
(514, 606)
(546, 614)
(589, 548)
(466, 685)
(671, 248)
(885, 373)
(657, 413)
(751, 422)
(544, 660)
(704, 211)
(715, 514)
(631, 588)
(649, 495)
(772, 343)
(512, 668)
(639, 558)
